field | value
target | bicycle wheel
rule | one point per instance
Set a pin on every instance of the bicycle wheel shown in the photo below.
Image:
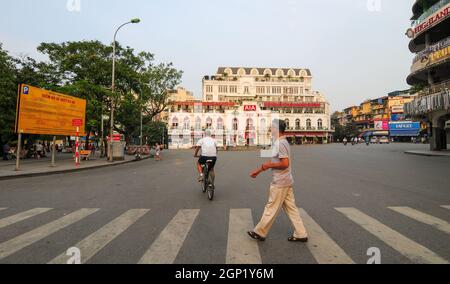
(210, 188)
(205, 180)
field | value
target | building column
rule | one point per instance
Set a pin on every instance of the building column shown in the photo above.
(438, 141)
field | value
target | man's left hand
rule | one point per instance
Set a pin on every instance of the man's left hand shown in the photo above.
(255, 173)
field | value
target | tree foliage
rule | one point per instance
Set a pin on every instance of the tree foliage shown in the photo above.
(84, 69)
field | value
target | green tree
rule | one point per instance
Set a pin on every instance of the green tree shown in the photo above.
(8, 96)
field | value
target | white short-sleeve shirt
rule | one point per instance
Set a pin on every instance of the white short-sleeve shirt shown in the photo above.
(209, 147)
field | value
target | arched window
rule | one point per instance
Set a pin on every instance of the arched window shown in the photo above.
(297, 124)
(229, 72)
(308, 124)
(241, 72)
(198, 123)
(249, 123)
(175, 122)
(187, 123)
(287, 123)
(219, 123)
(268, 73)
(208, 123)
(262, 126)
(235, 124)
(291, 73)
(320, 124)
(280, 73)
(255, 72)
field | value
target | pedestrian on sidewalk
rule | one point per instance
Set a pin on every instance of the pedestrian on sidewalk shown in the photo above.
(5, 149)
(157, 152)
(281, 193)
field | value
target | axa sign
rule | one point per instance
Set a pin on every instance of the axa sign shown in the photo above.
(250, 108)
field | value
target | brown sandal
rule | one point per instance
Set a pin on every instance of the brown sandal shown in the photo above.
(255, 236)
(297, 240)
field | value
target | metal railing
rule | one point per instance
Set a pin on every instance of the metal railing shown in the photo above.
(429, 12)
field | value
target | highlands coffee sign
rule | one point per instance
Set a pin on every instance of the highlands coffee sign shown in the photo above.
(432, 21)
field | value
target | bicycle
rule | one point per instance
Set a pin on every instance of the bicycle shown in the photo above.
(208, 181)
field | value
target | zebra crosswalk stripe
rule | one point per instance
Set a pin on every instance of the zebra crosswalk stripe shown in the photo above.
(439, 224)
(165, 248)
(92, 244)
(240, 248)
(407, 247)
(12, 246)
(22, 216)
(446, 206)
(322, 247)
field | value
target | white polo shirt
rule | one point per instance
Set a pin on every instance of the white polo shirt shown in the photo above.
(209, 147)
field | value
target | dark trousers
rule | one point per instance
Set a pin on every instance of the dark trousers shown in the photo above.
(5, 156)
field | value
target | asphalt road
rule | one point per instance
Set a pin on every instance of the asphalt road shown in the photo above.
(348, 193)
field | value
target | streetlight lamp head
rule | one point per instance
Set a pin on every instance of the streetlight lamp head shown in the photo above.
(135, 21)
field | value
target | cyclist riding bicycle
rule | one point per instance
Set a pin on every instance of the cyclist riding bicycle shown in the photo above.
(208, 145)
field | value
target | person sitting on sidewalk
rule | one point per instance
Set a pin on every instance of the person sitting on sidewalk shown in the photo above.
(5, 152)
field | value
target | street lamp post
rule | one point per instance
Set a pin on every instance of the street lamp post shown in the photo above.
(113, 87)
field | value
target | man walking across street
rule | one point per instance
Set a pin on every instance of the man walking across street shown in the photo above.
(281, 190)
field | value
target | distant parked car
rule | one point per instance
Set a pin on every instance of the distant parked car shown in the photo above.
(374, 140)
(384, 140)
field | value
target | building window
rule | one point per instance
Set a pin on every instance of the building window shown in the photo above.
(246, 90)
(219, 123)
(297, 124)
(223, 89)
(287, 123)
(260, 90)
(209, 97)
(209, 89)
(235, 124)
(198, 123)
(175, 123)
(208, 123)
(233, 89)
(187, 124)
(308, 124)
(320, 124)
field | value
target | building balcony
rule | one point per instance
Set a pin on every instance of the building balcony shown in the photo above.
(421, 13)
(430, 103)
(435, 26)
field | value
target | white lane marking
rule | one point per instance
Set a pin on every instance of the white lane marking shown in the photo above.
(407, 247)
(439, 224)
(321, 245)
(165, 248)
(9, 247)
(92, 244)
(241, 249)
(22, 216)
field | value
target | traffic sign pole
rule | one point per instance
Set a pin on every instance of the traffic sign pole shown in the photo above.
(19, 144)
(53, 151)
(77, 150)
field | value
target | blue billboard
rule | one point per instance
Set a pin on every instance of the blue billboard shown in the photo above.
(405, 129)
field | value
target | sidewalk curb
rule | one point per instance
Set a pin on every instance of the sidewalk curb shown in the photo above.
(431, 154)
(57, 172)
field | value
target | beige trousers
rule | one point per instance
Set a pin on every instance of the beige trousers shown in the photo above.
(281, 197)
